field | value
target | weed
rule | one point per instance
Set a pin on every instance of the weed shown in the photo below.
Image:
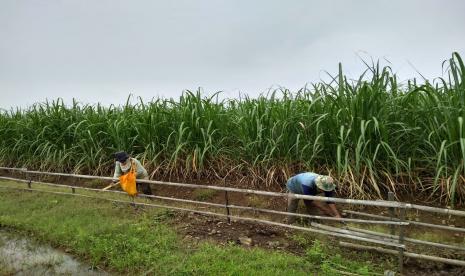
(332, 263)
(163, 216)
(315, 253)
(258, 201)
(203, 194)
(301, 239)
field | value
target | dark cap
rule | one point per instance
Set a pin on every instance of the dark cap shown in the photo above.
(121, 156)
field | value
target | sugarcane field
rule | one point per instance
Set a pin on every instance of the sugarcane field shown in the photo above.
(232, 138)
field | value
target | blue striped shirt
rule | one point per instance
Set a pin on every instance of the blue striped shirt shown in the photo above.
(304, 184)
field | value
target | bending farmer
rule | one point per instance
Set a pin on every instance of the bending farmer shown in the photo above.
(123, 165)
(311, 184)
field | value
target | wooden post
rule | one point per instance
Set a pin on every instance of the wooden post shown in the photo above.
(29, 181)
(73, 190)
(401, 218)
(226, 198)
(401, 241)
(391, 212)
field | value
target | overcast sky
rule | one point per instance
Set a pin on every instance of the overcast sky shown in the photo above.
(103, 50)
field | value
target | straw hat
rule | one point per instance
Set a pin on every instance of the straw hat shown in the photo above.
(325, 183)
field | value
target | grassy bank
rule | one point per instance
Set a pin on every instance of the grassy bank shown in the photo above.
(125, 240)
(373, 133)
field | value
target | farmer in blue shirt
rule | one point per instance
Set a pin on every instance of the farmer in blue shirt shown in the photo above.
(309, 183)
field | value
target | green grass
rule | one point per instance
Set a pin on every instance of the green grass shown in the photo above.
(258, 201)
(138, 241)
(203, 194)
(374, 134)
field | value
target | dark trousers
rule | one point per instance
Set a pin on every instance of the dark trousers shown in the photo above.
(293, 204)
(144, 188)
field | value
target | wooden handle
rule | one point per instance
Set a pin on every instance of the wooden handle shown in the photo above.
(109, 186)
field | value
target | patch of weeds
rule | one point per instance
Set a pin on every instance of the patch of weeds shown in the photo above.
(431, 236)
(411, 215)
(203, 194)
(300, 239)
(332, 263)
(379, 228)
(163, 216)
(234, 260)
(257, 202)
(315, 253)
(97, 183)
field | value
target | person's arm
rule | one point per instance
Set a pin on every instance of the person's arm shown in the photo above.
(323, 207)
(332, 205)
(141, 171)
(335, 212)
(118, 171)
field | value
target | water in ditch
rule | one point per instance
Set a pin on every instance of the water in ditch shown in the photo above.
(22, 256)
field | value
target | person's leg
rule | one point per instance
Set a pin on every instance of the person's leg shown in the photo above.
(292, 204)
(308, 203)
(308, 206)
(144, 187)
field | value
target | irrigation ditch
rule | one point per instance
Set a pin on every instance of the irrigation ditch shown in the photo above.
(23, 256)
(395, 242)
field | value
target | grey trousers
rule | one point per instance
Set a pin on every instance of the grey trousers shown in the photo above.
(144, 187)
(293, 204)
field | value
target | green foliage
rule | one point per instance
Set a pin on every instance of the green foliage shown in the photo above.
(315, 253)
(258, 201)
(230, 260)
(300, 239)
(370, 133)
(332, 263)
(203, 194)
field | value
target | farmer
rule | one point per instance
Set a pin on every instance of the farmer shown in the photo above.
(123, 165)
(309, 183)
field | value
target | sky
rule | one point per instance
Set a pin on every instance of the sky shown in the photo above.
(100, 51)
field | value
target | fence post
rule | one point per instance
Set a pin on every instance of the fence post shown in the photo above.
(391, 212)
(227, 205)
(29, 183)
(401, 232)
(401, 241)
(74, 184)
